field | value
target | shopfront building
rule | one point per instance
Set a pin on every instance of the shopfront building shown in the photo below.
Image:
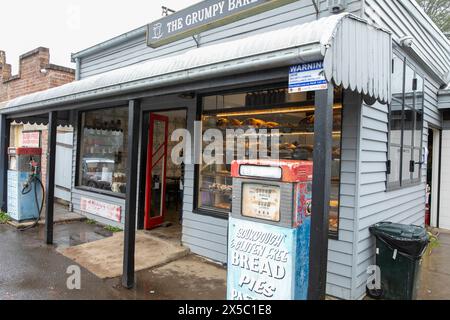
(131, 98)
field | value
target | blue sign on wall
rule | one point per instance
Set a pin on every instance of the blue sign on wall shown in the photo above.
(307, 77)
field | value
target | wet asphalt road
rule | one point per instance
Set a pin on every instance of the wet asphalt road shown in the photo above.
(31, 270)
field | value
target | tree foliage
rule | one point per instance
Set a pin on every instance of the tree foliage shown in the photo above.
(439, 12)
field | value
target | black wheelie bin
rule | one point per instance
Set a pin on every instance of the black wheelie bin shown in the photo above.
(399, 252)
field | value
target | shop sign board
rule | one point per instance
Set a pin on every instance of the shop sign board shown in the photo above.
(102, 209)
(31, 139)
(260, 261)
(307, 77)
(204, 16)
(261, 201)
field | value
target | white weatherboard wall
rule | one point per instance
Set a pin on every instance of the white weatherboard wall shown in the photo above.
(444, 213)
(375, 202)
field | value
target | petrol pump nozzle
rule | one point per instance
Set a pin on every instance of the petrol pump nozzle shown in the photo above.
(34, 166)
(33, 173)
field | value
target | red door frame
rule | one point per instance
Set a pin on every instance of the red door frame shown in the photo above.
(149, 222)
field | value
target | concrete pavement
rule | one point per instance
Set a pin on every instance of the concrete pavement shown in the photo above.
(435, 275)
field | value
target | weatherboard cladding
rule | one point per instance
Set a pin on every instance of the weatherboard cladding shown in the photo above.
(136, 51)
(404, 18)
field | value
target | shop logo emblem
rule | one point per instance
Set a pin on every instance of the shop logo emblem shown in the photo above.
(157, 31)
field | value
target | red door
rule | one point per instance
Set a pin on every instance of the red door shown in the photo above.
(155, 194)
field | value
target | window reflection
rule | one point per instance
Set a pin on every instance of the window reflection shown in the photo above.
(103, 153)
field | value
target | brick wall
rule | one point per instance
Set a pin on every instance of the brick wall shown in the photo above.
(36, 73)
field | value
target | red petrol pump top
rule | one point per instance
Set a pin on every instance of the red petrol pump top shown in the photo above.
(25, 151)
(289, 170)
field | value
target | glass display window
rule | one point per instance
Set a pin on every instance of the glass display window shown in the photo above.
(103, 150)
(288, 116)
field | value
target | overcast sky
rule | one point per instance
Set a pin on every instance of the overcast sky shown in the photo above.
(67, 26)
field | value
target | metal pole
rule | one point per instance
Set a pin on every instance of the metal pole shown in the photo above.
(134, 113)
(323, 141)
(4, 143)
(50, 188)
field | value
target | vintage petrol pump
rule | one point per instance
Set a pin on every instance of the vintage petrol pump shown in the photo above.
(25, 189)
(269, 230)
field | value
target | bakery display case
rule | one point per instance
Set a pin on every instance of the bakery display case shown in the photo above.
(292, 126)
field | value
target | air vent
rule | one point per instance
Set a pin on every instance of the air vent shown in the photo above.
(336, 6)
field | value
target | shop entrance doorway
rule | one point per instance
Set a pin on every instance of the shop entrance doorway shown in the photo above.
(163, 178)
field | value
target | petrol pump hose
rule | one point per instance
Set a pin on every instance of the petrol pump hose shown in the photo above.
(28, 186)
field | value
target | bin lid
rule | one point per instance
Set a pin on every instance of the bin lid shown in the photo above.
(407, 239)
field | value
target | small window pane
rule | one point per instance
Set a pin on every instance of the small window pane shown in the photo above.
(394, 156)
(419, 93)
(396, 122)
(417, 166)
(409, 88)
(408, 127)
(419, 130)
(407, 157)
(397, 78)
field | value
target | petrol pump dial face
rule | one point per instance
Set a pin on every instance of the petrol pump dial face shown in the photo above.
(261, 201)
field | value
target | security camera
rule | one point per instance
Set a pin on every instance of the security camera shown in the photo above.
(406, 41)
(44, 71)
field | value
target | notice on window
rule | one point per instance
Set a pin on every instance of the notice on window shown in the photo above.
(261, 201)
(31, 139)
(307, 77)
(102, 209)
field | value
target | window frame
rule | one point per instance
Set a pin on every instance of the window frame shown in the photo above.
(77, 185)
(333, 235)
(400, 183)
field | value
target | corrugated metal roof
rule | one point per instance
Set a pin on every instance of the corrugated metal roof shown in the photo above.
(356, 55)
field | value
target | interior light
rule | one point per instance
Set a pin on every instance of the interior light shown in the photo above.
(272, 111)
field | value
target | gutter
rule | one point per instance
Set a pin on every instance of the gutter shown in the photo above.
(110, 43)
